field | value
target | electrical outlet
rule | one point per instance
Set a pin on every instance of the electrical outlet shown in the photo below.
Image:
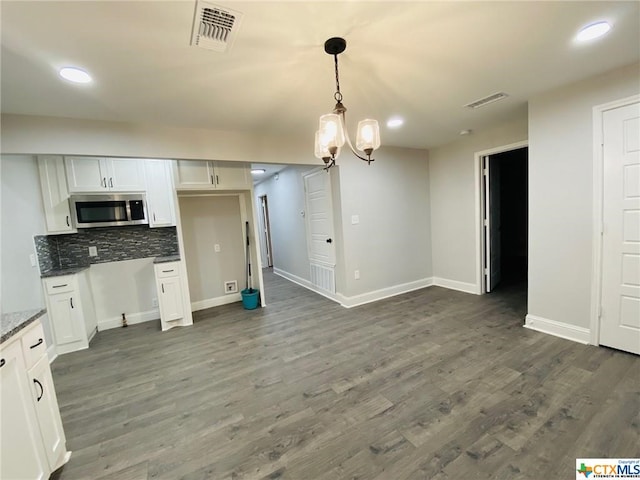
(32, 259)
(356, 274)
(231, 286)
(93, 251)
(154, 302)
(216, 247)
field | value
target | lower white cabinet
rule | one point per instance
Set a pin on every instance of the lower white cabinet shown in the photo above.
(71, 311)
(33, 442)
(175, 310)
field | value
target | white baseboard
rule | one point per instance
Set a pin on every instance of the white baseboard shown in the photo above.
(455, 285)
(52, 353)
(304, 283)
(374, 296)
(132, 319)
(215, 302)
(558, 329)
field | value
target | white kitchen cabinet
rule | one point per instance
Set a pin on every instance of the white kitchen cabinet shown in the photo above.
(55, 194)
(171, 286)
(71, 311)
(47, 410)
(160, 204)
(23, 454)
(207, 175)
(97, 174)
(33, 441)
(232, 176)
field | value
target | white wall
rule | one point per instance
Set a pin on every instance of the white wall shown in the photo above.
(206, 221)
(561, 194)
(391, 244)
(453, 201)
(22, 218)
(123, 287)
(288, 232)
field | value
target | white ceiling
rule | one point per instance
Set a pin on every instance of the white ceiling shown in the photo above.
(420, 60)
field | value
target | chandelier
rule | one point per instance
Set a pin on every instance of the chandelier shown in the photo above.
(332, 132)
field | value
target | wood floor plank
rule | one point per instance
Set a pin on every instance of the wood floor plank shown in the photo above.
(434, 384)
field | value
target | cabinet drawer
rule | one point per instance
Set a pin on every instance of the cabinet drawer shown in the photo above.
(165, 270)
(62, 284)
(33, 344)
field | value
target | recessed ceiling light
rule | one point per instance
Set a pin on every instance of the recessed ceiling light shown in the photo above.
(395, 122)
(258, 171)
(593, 31)
(75, 75)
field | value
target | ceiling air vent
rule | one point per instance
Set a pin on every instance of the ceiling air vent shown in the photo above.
(487, 100)
(214, 27)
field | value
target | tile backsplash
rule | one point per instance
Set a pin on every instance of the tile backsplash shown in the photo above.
(113, 244)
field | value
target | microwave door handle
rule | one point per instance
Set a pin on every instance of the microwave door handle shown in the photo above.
(128, 209)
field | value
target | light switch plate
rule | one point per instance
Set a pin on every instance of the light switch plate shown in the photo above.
(355, 219)
(216, 247)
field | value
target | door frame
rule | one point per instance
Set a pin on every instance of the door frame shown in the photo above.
(266, 224)
(598, 212)
(481, 284)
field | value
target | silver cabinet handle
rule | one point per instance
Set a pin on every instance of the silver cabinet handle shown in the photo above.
(111, 182)
(37, 344)
(104, 181)
(217, 180)
(162, 285)
(71, 300)
(68, 224)
(60, 286)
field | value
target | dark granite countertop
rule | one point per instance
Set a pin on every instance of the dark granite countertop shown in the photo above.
(167, 259)
(62, 271)
(12, 323)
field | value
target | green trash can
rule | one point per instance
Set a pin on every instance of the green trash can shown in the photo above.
(250, 298)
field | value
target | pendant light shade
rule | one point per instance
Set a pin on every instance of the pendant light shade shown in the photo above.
(368, 136)
(332, 132)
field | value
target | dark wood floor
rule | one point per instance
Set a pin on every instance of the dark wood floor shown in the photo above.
(434, 384)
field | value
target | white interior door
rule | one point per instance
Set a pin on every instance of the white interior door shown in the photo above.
(320, 233)
(620, 315)
(492, 223)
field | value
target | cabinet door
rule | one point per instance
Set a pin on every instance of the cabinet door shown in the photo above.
(194, 174)
(125, 174)
(85, 174)
(22, 451)
(55, 195)
(232, 176)
(159, 193)
(64, 318)
(171, 307)
(47, 412)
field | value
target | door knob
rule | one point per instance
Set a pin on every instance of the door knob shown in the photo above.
(329, 240)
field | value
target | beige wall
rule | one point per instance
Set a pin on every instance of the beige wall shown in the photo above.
(452, 179)
(65, 136)
(561, 194)
(391, 245)
(206, 221)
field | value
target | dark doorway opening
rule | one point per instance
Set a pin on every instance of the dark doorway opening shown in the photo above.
(509, 191)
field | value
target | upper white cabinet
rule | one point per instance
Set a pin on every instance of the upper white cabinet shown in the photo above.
(55, 195)
(160, 204)
(207, 175)
(96, 174)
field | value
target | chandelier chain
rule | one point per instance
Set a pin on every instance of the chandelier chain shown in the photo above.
(337, 96)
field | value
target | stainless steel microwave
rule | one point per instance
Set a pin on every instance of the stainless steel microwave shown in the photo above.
(89, 211)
